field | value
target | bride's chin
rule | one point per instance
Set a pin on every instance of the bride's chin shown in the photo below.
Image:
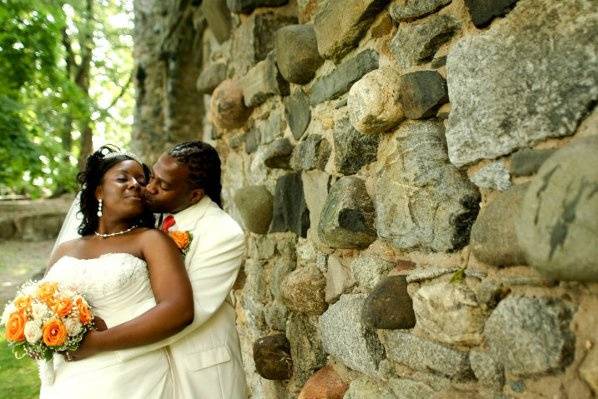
(135, 211)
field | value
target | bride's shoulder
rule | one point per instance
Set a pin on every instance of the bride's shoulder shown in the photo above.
(153, 240)
(144, 232)
(64, 249)
(149, 235)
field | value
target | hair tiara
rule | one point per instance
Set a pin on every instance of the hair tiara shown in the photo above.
(114, 154)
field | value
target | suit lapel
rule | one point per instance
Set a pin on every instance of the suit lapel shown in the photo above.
(187, 219)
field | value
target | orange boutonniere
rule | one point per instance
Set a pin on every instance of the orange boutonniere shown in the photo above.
(182, 239)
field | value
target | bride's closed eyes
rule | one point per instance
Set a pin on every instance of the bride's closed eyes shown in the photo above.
(141, 180)
(125, 177)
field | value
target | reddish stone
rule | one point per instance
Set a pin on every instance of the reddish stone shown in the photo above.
(324, 384)
(404, 266)
(227, 109)
(307, 10)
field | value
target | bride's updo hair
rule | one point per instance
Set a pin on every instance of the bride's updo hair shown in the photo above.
(90, 178)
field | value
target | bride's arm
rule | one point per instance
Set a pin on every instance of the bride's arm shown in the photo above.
(174, 302)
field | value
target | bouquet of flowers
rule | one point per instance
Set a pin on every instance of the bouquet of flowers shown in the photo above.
(44, 318)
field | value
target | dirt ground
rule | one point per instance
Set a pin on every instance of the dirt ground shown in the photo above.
(19, 262)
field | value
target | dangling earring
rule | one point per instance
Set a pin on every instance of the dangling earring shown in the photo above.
(99, 208)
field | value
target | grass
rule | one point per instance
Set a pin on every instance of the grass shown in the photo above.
(18, 377)
(19, 260)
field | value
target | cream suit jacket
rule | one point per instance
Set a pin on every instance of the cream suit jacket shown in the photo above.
(206, 355)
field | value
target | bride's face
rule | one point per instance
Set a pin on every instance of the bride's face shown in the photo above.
(120, 190)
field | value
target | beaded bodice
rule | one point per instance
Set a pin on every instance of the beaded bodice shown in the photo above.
(116, 285)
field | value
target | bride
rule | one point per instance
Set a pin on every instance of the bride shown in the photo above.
(135, 280)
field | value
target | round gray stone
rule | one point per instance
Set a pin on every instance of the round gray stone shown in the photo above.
(373, 101)
(297, 54)
(227, 109)
(493, 237)
(530, 335)
(558, 225)
(255, 206)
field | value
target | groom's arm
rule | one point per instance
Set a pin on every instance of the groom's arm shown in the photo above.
(212, 270)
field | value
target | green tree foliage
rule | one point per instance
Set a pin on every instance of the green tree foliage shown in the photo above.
(65, 70)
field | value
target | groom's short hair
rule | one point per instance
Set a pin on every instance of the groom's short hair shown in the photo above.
(204, 166)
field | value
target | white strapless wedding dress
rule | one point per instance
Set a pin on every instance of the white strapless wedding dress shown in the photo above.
(118, 289)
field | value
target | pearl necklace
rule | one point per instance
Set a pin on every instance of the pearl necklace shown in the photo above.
(106, 235)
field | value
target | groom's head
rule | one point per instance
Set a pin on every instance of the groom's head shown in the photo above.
(182, 176)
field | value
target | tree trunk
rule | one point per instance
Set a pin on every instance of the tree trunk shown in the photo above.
(86, 146)
(82, 80)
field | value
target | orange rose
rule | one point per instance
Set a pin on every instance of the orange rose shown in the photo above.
(46, 291)
(181, 239)
(85, 315)
(23, 303)
(54, 333)
(63, 307)
(15, 327)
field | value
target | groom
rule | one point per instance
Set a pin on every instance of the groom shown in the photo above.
(185, 185)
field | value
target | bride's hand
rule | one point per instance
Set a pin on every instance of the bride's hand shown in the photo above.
(100, 324)
(89, 346)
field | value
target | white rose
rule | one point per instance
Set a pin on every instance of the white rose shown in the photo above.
(73, 327)
(40, 311)
(33, 331)
(8, 310)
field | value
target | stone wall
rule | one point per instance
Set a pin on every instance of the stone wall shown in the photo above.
(418, 180)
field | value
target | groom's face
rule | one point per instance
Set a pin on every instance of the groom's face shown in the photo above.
(168, 190)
